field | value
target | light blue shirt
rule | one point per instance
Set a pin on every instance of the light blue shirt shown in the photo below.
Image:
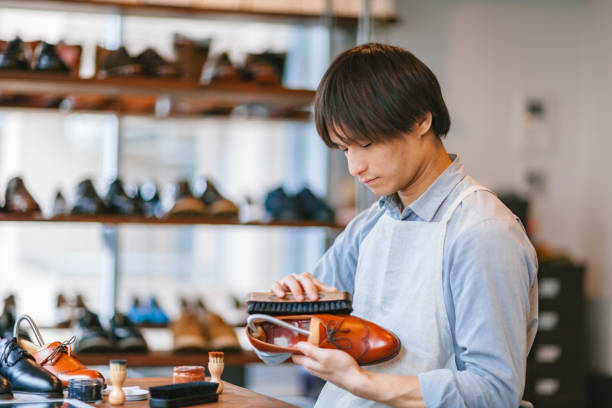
(489, 277)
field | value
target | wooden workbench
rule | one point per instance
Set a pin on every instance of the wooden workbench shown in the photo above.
(232, 396)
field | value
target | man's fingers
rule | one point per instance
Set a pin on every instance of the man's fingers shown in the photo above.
(309, 285)
(324, 288)
(295, 287)
(278, 290)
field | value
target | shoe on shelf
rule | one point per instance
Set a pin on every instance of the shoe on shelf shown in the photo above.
(313, 208)
(138, 314)
(118, 202)
(157, 316)
(221, 336)
(365, 341)
(281, 206)
(126, 336)
(13, 56)
(25, 375)
(5, 389)
(91, 337)
(60, 206)
(18, 199)
(218, 206)
(116, 63)
(191, 55)
(64, 312)
(71, 55)
(46, 59)
(185, 204)
(150, 202)
(222, 70)
(87, 200)
(266, 68)
(155, 65)
(56, 357)
(7, 319)
(187, 333)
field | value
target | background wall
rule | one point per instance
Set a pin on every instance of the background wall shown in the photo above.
(490, 56)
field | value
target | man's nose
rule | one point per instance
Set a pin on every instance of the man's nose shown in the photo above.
(356, 164)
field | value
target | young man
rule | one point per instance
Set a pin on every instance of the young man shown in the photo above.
(438, 260)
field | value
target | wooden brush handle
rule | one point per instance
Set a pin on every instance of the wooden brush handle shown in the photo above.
(271, 297)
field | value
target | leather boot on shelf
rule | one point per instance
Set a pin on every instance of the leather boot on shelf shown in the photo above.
(191, 55)
(118, 202)
(116, 63)
(13, 56)
(185, 204)
(280, 206)
(187, 333)
(365, 341)
(218, 206)
(222, 70)
(87, 199)
(71, 55)
(221, 336)
(91, 336)
(56, 357)
(18, 198)
(46, 59)
(5, 389)
(155, 65)
(126, 336)
(25, 375)
(266, 68)
(60, 206)
(64, 312)
(7, 319)
(150, 202)
(313, 208)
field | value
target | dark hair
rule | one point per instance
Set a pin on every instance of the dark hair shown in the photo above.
(377, 92)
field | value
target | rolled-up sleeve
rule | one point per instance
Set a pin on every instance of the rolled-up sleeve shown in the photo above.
(491, 273)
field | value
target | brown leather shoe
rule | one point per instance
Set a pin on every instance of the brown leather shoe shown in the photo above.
(221, 335)
(188, 334)
(58, 359)
(185, 203)
(365, 341)
(18, 199)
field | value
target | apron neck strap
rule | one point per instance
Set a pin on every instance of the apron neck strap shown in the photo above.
(458, 200)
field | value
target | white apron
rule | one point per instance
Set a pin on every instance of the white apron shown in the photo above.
(398, 285)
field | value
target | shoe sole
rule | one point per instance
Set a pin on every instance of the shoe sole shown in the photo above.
(42, 394)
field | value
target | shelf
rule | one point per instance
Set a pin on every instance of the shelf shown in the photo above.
(166, 358)
(233, 10)
(186, 220)
(237, 93)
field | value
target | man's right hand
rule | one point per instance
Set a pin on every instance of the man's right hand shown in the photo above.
(299, 285)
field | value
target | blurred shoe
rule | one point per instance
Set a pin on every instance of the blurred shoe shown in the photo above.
(221, 336)
(25, 375)
(116, 63)
(218, 206)
(46, 59)
(365, 341)
(87, 199)
(313, 208)
(266, 68)
(5, 389)
(138, 314)
(191, 55)
(91, 337)
(126, 336)
(56, 357)
(155, 65)
(64, 312)
(13, 56)
(280, 206)
(222, 70)
(157, 315)
(149, 200)
(118, 202)
(187, 333)
(185, 203)
(7, 319)
(18, 199)
(60, 206)
(71, 55)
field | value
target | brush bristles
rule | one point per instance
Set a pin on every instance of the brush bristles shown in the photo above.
(291, 308)
(215, 356)
(183, 390)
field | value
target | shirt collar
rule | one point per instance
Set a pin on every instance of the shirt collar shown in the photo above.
(426, 206)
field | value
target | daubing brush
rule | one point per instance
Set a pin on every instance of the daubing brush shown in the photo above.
(269, 303)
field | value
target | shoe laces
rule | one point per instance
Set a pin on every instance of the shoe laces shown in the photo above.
(62, 348)
(332, 328)
(10, 347)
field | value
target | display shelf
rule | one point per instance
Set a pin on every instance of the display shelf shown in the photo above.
(179, 220)
(166, 358)
(237, 93)
(233, 10)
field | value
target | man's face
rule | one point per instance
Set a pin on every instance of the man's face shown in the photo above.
(385, 167)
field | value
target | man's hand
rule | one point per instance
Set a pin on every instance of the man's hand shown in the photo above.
(298, 284)
(334, 366)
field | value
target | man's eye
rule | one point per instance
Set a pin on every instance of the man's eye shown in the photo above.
(366, 145)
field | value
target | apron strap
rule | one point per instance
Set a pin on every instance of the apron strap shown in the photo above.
(458, 200)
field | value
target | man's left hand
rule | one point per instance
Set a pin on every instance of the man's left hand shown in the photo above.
(334, 366)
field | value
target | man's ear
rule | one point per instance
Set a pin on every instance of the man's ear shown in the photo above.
(424, 124)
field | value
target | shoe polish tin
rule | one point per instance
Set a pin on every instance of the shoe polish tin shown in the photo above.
(85, 390)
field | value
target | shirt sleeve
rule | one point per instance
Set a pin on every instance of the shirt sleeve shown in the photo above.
(338, 265)
(492, 273)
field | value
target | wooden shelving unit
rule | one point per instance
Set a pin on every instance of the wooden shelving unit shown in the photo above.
(187, 220)
(166, 358)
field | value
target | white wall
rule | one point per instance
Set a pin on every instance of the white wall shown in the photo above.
(486, 54)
